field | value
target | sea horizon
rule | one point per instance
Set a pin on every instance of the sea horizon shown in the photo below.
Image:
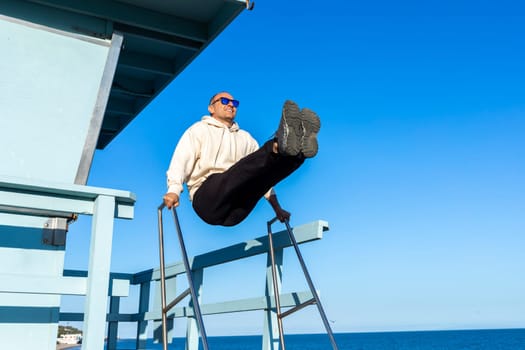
(446, 339)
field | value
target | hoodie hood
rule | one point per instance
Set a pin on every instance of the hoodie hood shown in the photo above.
(212, 121)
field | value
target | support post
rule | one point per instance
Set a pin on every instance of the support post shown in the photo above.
(192, 331)
(114, 306)
(171, 293)
(271, 326)
(98, 273)
(142, 326)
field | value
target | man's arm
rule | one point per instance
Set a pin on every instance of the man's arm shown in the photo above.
(281, 214)
(181, 165)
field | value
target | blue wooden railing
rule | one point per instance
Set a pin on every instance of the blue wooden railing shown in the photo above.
(28, 241)
(32, 258)
(149, 280)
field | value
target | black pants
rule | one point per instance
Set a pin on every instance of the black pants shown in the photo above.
(227, 198)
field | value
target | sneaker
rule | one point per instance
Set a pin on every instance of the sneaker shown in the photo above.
(311, 126)
(291, 130)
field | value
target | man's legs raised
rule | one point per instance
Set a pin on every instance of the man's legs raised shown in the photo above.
(227, 198)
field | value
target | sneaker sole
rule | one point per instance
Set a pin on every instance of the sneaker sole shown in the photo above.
(312, 125)
(290, 132)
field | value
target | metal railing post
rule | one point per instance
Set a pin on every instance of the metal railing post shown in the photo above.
(275, 285)
(162, 279)
(314, 300)
(191, 289)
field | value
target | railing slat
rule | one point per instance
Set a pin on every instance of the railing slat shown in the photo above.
(304, 233)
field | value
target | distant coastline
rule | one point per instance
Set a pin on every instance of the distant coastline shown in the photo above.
(66, 346)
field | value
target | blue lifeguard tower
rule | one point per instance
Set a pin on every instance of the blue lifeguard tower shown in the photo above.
(74, 74)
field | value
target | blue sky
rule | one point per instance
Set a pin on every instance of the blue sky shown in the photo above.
(420, 172)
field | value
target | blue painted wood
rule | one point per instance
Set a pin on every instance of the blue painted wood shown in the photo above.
(42, 285)
(29, 314)
(240, 305)
(192, 329)
(15, 283)
(117, 317)
(60, 189)
(17, 232)
(142, 326)
(114, 306)
(157, 324)
(304, 233)
(113, 275)
(21, 259)
(145, 314)
(55, 18)
(171, 293)
(22, 194)
(140, 15)
(98, 273)
(271, 330)
(60, 74)
(69, 39)
(176, 31)
(19, 193)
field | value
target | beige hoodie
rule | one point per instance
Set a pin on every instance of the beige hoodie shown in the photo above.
(205, 148)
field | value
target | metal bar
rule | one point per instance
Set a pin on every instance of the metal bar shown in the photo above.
(162, 279)
(311, 285)
(196, 306)
(36, 212)
(298, 307)
(177, 300)
(275, 287)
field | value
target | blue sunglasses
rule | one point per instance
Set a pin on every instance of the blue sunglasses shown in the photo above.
(225, 101)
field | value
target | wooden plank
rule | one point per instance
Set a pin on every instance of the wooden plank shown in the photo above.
(304, 233)
(62, 189)
(56, 286)
(19, 196)
(42, 285)
(98, 273)
(241, 305)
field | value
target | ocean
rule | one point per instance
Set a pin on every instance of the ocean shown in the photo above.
(500, 339)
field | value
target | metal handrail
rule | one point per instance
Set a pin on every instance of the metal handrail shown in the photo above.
(314, 300)
(194, 299)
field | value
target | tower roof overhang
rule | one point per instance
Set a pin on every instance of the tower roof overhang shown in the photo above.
(160, 38)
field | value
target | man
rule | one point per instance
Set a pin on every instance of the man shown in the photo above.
(225, 170)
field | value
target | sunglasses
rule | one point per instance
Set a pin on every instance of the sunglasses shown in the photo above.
(226, 100)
